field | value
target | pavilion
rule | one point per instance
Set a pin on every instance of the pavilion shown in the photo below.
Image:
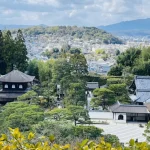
(14, 84)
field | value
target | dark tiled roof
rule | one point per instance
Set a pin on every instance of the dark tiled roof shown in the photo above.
(92, 85)
(120, 108)
(116, 105)
(142, 95)
(142, 88)
(142, 82)
(17, 77)
(10, 95)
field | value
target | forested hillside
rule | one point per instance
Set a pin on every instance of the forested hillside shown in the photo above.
(85, 33)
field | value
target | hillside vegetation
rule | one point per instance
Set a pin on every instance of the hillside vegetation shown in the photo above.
(85, 33)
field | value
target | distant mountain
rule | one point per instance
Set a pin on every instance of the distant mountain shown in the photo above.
(8, 27)
(140, 27)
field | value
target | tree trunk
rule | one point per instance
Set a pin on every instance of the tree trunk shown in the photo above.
(12, 67)
(75, 123)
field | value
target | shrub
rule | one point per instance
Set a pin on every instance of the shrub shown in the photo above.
(18, 141)
(114, 81)
(20, 114)
(112, 139)
(87, 131)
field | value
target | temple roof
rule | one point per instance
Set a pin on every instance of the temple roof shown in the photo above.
(10, 95)
(16, 76)
(142, 82)
(141, 86)
(122, 108)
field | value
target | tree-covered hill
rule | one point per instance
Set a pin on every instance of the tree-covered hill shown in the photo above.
(85, 33)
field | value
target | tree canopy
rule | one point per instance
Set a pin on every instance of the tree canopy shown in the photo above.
(103, 97)
(20, 114)
(13, 52)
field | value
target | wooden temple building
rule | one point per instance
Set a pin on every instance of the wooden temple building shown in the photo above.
(140, 90)
(14, 84)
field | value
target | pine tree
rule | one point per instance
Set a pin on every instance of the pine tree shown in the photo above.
(2, 62)
(20, 52)
(14, 52)
(9, 47)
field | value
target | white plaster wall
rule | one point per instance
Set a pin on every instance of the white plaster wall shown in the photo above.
(100, 115)
(120, 121)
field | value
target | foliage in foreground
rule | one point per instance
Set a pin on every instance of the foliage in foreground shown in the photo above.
(17, 141)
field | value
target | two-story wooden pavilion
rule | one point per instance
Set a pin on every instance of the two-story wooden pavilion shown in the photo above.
(14, 84)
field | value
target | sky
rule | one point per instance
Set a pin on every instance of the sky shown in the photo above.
(72, 12)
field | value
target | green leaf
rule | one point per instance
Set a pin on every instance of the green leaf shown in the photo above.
(84, 142)
(51, 138)
(132, 142)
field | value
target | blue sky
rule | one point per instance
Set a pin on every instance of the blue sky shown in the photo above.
(72, 12)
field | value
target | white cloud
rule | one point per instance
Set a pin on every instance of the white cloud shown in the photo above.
(29, 16)
(43, 2)
(72, 12)
(7, 12)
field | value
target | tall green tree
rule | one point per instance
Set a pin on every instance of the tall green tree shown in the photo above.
(129, 57)
(76, 94)
(69, 73)
(45, 70)
(2, 62)
(120, 92)
(77, 113)
(116, 70)
(33, 69)
(79, 65)
(21, 59)
(60, 70)
(103, 97)
(15, 51)
(9, 51)
(146, 54)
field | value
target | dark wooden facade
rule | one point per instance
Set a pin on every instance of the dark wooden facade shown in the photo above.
(14, 84)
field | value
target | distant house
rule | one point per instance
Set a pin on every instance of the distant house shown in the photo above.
(129, 113)
(140, 89)
(14, 84)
